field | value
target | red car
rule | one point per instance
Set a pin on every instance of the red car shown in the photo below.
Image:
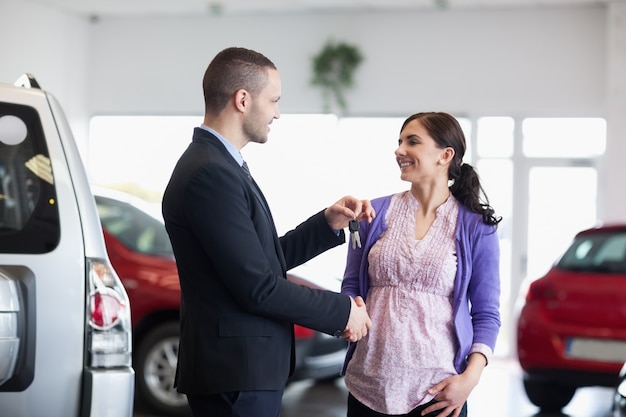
(571, 331)
(141, 254)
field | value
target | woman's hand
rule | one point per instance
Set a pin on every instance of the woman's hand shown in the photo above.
(452, 393)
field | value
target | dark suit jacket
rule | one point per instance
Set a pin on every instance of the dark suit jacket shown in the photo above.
(237, 306)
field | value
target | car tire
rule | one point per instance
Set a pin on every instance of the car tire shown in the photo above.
(548, 396)
(330, 380)
(155, 367)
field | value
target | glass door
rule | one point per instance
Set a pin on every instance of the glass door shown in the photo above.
(559, 157)
(561, 202)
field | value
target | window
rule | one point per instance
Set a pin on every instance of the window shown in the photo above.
(137, 152)
(29, 220)
(495, 138)
(135, 228)
(564, 137)
(597, 252)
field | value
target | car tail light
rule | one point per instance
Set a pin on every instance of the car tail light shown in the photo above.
(303, 332)
(105, 309)
(108, 321)
(539, 290)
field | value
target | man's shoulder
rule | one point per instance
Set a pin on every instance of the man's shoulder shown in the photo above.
(204, 138)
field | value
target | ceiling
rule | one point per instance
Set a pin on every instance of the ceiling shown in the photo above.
(130, 8)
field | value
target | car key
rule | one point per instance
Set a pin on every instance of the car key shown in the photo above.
(353, 226)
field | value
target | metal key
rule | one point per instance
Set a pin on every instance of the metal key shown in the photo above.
(353, 226)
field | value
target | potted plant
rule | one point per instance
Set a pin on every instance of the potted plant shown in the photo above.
(333, 72)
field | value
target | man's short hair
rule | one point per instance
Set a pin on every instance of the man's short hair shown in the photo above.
(233, 69)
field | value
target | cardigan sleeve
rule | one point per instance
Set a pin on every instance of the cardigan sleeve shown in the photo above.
(484, 286)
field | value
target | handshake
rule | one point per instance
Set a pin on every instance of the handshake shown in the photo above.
(359, 321)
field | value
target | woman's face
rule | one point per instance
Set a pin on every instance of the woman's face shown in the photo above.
(418, 156)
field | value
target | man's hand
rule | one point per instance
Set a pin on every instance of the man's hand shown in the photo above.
(339, 214)
(359, 321)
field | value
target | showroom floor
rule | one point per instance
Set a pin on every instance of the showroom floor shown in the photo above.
(499, 394)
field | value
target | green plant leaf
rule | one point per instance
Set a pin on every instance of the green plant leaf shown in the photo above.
(333, 71)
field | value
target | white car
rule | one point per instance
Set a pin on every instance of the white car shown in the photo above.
(65, 330)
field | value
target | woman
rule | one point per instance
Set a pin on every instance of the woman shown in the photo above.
(429, 273)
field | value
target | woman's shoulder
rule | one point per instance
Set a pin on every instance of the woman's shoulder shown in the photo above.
(384, 201)
(470, 220)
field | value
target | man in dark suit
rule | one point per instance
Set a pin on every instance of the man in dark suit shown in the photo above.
(238, 309)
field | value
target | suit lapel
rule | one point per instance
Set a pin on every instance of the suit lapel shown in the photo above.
(279, 250)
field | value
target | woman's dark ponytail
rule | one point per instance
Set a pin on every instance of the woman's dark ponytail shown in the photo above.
(467, 190)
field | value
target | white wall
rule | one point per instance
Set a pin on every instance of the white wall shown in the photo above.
(501, 61)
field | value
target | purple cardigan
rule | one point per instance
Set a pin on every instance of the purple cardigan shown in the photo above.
(477, 278)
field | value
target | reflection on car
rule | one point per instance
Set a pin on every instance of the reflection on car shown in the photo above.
(141, 254)
(570, 331)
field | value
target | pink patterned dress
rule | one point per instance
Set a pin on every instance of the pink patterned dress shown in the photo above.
(412, 344)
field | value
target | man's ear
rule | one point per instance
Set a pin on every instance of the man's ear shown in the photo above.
(242, 100)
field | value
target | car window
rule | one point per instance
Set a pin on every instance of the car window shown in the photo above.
(29, 219)
(602, 252)
(134, 228)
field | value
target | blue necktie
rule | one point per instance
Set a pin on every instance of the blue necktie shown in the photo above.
(245, 168)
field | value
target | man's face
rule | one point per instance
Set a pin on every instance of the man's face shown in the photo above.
(264, 109)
